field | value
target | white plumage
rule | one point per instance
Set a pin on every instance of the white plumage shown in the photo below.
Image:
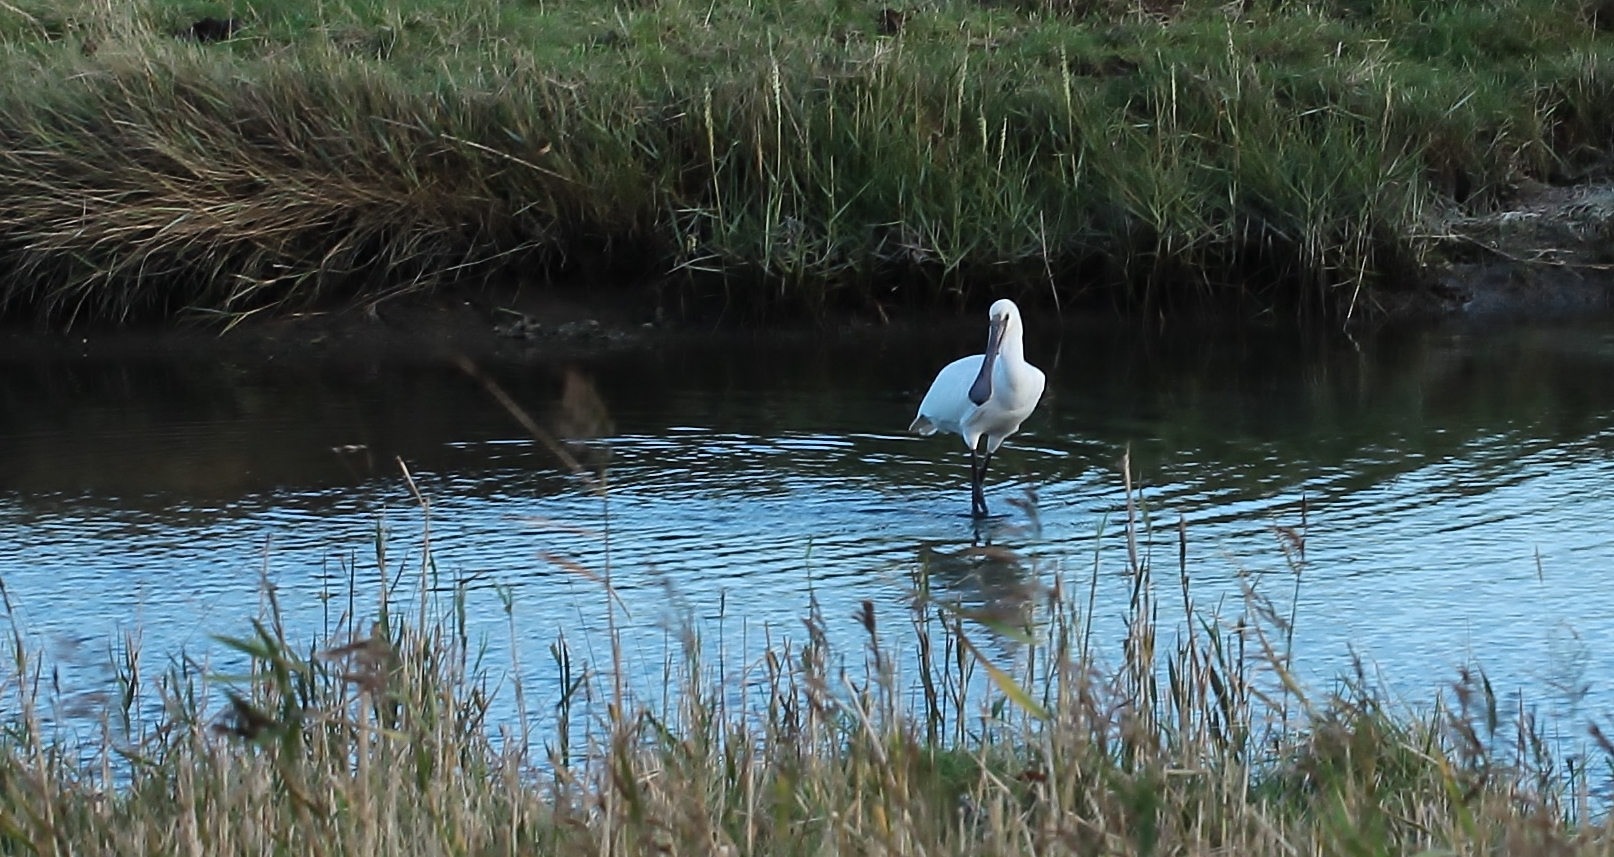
(984, 398)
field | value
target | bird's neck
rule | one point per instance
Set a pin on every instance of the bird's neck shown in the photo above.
(1011, 350)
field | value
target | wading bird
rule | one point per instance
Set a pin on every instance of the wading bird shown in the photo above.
(984, 397)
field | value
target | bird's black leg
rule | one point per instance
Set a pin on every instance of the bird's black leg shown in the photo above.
(977, 483)
(980, 482)
(975, 480)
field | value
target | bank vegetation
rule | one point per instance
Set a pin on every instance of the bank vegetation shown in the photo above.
(159, 157)
(1022, 727)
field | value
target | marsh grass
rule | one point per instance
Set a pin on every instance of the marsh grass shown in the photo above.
(946, 731)
(785, 154)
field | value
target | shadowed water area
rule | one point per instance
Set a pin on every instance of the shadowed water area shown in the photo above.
(1451, 484)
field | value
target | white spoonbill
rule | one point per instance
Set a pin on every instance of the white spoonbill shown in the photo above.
(984, 397)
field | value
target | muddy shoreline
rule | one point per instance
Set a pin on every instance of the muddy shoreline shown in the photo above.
(1549, 253)
(528, 324)
(515, 322)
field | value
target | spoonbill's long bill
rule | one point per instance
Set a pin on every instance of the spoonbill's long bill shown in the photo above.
(984, 397)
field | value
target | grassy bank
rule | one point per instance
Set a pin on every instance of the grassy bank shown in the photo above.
(1285, 154)
(1189, 735)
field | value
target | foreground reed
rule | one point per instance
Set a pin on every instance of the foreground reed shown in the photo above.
(1186, 736)
(1292, 154)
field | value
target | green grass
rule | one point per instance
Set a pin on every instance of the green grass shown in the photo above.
(1286, 155)
(1189, 735)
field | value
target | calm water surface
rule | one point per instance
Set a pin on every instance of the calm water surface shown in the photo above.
(1453, 482)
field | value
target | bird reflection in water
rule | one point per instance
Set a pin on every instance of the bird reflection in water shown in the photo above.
(996, 582)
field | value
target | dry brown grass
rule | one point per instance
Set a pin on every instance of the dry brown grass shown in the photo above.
(1189, 736)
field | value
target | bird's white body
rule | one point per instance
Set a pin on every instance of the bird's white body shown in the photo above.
(947, 407)
(985, 396)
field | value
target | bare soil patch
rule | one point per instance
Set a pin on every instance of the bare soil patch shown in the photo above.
(1549, 251)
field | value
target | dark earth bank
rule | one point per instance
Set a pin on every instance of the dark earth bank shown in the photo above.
(1549, 252)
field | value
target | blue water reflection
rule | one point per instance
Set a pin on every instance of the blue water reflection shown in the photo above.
(1452, 484)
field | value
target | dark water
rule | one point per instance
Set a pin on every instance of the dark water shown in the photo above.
(1453, 483)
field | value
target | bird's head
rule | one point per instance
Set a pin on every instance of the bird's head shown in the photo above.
(1004, 317)
(1004, 312)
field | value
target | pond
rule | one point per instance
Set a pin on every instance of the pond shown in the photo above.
(1452, 484)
